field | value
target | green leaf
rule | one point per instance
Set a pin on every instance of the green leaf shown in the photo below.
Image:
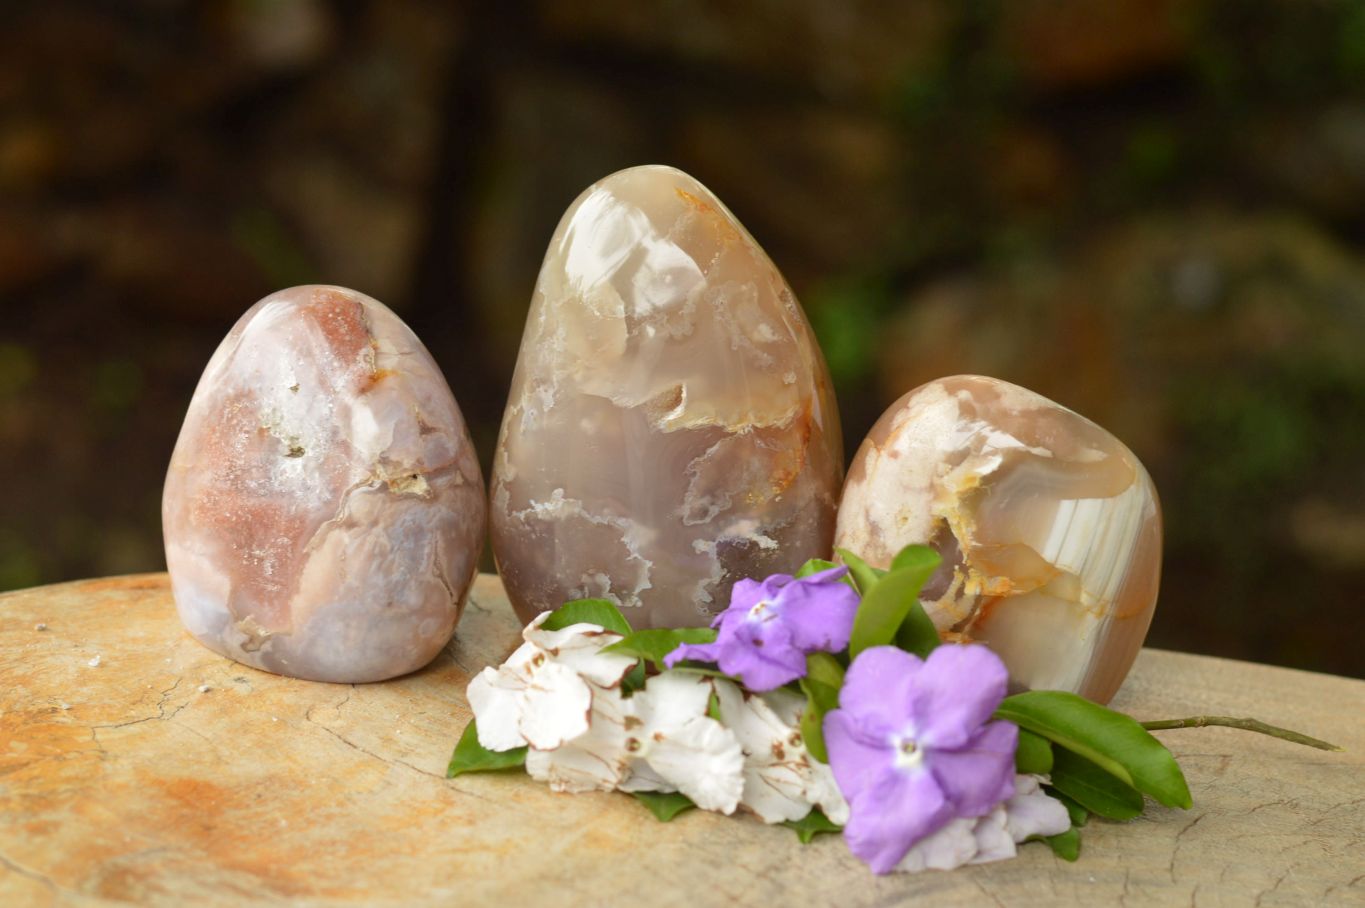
(811, 825)
(653, 645)
(1113, 741)
(701, 669)
(864, 575)
(1079, 815)
(634, 679)
(588, 611)
(471, 756)
(1034, 753)
(1066, 845)
(917, 633)
(889, 601)
(813, 727)
(917, 557)
(1093, 788)
(816, 565)
(664, 805)
(824, 670)
(824, 677)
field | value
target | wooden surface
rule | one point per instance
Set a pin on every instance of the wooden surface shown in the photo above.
(164, 774)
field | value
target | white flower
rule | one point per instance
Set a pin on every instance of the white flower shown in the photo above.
(595, 760)
(1032, 811)
(782, 781)
(542, 695)
(964, 840)
(676, 746)
(951, 846)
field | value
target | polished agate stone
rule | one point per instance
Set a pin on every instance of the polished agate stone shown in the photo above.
(324, 511)
(671, 426)
(1049, 527)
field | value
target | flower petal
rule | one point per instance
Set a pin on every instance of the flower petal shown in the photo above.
(700, 652)
(670, 700)
(744, 595)
(981, 774)
(958, 690)
(781, 780)
(595, 760)
(857, 759)
(828, 575)
(704, 759)
(640, 777)
(949, 847)
(579, 647)
(771, 587)
(773, 794)
(894, 811)
(554, 707)
(495, 698)
(786, 706)
(880, 689)
(684, 747)
(993, 841)
(754, 720)
(1031, 811)
(763, 656)
(820, 613)
(824, 791)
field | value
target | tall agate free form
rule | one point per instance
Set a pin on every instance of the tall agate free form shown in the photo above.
(324, 511)
(1049, 527)
(671, 426)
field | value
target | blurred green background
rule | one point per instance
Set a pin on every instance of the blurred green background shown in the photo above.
(1151, 212)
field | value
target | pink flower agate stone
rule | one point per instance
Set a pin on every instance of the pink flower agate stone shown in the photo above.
(324, 511)
(1049, 528)
(671, 427)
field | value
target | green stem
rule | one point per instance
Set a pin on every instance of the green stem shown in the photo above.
(1255, 725)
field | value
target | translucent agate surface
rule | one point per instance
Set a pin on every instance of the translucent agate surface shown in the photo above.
(671, 426)
(324, 511)
(1049, 527)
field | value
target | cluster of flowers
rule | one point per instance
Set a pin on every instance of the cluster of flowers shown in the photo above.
(912, 765)
(826, 702)
(560, 695)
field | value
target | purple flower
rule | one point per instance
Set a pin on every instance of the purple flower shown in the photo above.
(769, 628)
(912, 746)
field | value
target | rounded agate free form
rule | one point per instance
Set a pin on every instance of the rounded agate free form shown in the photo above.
(671, 426)
(324, 511)
(1049, 528)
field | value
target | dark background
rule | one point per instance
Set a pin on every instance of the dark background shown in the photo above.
(1150, 212)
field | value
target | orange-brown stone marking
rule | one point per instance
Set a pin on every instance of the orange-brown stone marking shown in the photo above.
(324, 510)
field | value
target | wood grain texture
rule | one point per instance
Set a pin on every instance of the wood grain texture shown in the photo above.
(165, 774)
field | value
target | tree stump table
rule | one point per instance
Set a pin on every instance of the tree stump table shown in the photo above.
(135, 765)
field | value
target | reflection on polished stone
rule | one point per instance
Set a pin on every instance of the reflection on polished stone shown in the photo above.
(324, 510)
(671, 426)
(1049, 527)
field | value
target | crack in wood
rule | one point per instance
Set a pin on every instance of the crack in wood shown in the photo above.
(34, 875)
(389, 761)
(160, 711)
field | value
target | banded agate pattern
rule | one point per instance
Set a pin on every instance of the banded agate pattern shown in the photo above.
(1049, 527)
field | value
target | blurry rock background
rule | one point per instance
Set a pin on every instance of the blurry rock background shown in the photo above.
(1152, 212)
